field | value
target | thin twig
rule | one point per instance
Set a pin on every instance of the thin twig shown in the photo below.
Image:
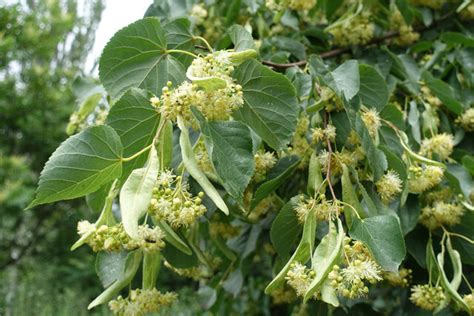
(342, 50)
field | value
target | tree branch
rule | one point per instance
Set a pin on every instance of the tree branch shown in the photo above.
(342, 50)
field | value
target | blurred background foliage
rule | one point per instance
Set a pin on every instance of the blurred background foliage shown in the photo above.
(43, 48)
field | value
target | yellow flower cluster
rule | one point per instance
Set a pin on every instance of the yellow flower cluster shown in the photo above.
(323, 210)
(361, 31)
(401, 278)
(330, 99)
(427, 297)
(440, 214)
(299, 145)
(389, 186)
(298, 5)
(299, 277)
(141, 302)
(264, 161)
(468, 12)
(196, 273)
(223, 230)
(114, 238)
(339, 158)
(202, 157)
(263, 207)
(173, 202)
(358, 268)
(215, 105)
(371, 120)
(428, 96)
(407, 36)
(469, 300)
(283, 295)
(198, 13)
(421, 179)
(319, 134)
(441, 145)
(466, 120)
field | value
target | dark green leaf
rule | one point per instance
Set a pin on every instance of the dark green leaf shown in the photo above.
(383, 237)
(81, 165)
(229, 145)
(135, 121)
(373, 89)
(285, 229)
(136, 57)
(270, 107)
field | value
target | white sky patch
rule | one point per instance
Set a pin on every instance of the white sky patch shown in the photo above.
(117, 14)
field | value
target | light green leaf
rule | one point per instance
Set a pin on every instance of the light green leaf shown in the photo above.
(373, 89)
(192, 167)
(165, 145)
(151, 268)
(301, 254)
(135, 121)
(349, 196)
(326, 255)
(315, 177)
(383, 237)
(270, 106)
(110, 266)
(229, 145)
(136, 57)
(81, 165)
(136, 193)
(133, 263)
(241, 38)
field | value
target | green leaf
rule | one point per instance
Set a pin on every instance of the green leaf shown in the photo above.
(349, 196)
(376, 158)
(136, 57)
(178, 258)
(285, 229)
(283, 169)
(178, 36)
(136, 194)
(135, 121)
(110, 266)
(81, 165)
(301, 254)
(459, 179)
(165, 145)
(326, 255)
(241, 38)
(192, 167)
(315, 177)
(173, 238)
(151, 268)
(133, 263)
(229, 145)
(373, 89)
(444, 92)
(345, 79)
(383, 237)
(270, 106)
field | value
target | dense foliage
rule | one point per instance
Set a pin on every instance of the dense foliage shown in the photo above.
(43, 46)
(287, 157)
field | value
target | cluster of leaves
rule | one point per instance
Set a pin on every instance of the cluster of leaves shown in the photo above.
(348, 163)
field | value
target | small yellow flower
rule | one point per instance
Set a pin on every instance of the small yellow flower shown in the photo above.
(441, 145)
(388, 186)
(427, 297)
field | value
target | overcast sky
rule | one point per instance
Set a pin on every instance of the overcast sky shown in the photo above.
(117, 14)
